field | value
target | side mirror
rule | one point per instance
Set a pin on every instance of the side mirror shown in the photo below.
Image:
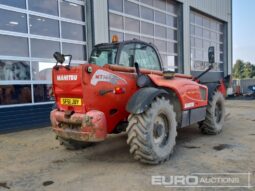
(60, 58)
(211, 55)
(211, 58)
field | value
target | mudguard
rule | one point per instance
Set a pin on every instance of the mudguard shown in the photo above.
(142, 99)
(190, 94)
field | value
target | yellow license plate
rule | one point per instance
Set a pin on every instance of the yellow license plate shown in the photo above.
(70, 101)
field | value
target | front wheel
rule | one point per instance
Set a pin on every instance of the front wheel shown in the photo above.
(215, 115)
(151, 135)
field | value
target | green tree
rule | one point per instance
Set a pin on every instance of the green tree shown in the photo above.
(253, 71)
(238, 69)
(243, 70)
(248, 70)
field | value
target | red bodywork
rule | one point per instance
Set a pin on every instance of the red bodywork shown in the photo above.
(99, 113)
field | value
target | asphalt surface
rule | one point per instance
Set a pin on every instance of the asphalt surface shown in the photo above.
(34, 160)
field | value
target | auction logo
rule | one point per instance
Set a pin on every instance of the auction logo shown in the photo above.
(206, 180)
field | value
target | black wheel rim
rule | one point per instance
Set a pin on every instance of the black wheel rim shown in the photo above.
(161, 130)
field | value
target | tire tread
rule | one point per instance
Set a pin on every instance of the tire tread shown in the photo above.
(138, 137)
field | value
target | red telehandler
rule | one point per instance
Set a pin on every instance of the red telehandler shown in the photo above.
(124, 87)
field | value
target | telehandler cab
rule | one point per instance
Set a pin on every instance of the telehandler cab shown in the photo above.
(125, 87)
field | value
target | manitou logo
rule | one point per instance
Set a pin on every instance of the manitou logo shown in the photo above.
(104, 76)
(67, 77)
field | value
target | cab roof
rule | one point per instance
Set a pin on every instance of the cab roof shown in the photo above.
(117, 44)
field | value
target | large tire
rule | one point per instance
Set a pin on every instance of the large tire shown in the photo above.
(151, 135)
(73, 144)
(215, 115)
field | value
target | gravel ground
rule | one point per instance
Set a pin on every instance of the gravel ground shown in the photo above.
(33, 160)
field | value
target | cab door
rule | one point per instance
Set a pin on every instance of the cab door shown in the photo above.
(147, 57)
(126, 55)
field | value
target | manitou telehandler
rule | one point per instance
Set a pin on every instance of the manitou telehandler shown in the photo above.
(125, 87)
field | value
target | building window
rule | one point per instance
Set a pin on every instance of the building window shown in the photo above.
(76, 50)
(153, 21)
(14, 70)
(72, 10)
(44, 6)
(29, 36)
(13, 21)
(44, 26)
(14, 3)
(42, 71)
(206, 32)
(43, 48)
(42, 93)
(15, 94)
(73, 31)
(13, 46)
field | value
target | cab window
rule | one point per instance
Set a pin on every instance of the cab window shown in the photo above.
(103, 55)
(127, 55)
(146, 57)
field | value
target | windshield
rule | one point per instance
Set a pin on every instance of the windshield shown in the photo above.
(103, 55)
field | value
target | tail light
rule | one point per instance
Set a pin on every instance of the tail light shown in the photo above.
(119, 90)
(116, 90)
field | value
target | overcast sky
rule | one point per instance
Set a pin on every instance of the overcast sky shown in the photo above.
(244, 30)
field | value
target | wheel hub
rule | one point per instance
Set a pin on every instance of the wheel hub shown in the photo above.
(218, 112)
(160, 130)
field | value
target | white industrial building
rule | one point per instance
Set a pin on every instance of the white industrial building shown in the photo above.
(31, 31)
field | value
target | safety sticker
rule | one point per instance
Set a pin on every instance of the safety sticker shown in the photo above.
(104, 76)
(188, 105)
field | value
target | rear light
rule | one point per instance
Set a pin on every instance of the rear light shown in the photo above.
(119, 90)
(116, 90)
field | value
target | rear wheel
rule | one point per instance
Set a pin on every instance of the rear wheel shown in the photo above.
(215, 114)
(73, 144)
(151, 135)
